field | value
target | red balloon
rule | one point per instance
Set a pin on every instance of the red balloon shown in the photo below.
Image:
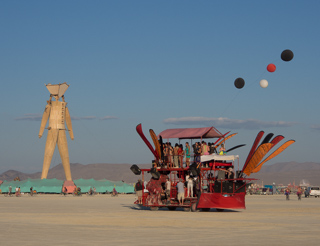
(271, 68)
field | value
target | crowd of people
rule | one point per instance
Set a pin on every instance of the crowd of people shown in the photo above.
(174, 156)
(17, 191)
(92, 191)
(188, 185)
(287, 193)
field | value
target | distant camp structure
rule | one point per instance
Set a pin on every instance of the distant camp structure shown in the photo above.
(55, 186)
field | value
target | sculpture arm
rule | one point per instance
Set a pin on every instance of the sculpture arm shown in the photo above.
(69, 124)
(44, 120)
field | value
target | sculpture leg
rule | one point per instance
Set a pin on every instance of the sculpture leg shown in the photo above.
(64, 153)
(48, 152)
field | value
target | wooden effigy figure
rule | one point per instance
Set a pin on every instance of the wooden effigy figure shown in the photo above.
(58, 114)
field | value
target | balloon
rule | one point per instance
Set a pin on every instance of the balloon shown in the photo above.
(287, 55)
(271, 68)
(239, 83)
(264, 83)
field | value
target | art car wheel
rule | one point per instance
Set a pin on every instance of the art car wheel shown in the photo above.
(187, 209)
(172, 208)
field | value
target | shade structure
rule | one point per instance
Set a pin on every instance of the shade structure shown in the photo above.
(40, 185)
(191, 133)
(55, 185)
(101, 186)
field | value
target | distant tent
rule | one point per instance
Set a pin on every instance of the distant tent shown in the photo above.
(123, 187)
(103, 186)
(47, 185)
(55, 185)
(40, 185)
(84, 184)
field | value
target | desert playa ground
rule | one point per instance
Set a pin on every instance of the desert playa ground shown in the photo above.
(106, 220)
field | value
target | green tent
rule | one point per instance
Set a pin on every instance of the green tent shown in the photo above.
(103, 186)
(40, 185)
(55, 185)
(47, 185)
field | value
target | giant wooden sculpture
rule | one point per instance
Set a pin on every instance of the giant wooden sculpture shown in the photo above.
(58, 114)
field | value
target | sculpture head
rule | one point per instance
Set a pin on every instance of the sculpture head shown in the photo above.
(57, 90)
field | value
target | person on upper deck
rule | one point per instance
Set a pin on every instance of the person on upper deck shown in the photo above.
(222, 150)
(213, 149)
(197, 152)
(176, 155)
(205, 148)
(187, 153)
(180, 153)
(170, 154)
(164, 146)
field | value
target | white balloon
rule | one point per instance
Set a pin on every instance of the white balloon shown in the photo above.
(264, 83)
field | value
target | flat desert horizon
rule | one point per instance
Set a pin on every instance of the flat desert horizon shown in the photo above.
(106, 220)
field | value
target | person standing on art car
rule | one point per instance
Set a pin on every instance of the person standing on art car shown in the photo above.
(222, 150)
(170, 154)
(190, 186)
(213, 149)
(168, 189)
(196, 186)
(138, 189)
(197, 152)
(180, 154)
(176, 156)
(230, 173)
(187, 153)
(205, 148)
(180, 189)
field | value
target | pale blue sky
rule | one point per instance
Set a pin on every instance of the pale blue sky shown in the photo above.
(131, 62)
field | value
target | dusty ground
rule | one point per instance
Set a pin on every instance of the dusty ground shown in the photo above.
(106, 220)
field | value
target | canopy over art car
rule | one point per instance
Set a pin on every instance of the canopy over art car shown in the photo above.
(216, 157)
(191, 133)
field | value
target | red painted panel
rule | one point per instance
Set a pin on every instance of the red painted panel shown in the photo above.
(218, 200)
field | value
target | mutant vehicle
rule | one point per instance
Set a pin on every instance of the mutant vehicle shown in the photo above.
(211, 180)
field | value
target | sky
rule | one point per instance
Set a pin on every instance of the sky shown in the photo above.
(164, 64)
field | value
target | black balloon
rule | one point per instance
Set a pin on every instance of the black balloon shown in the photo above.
(239, 83)
(287, 55)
